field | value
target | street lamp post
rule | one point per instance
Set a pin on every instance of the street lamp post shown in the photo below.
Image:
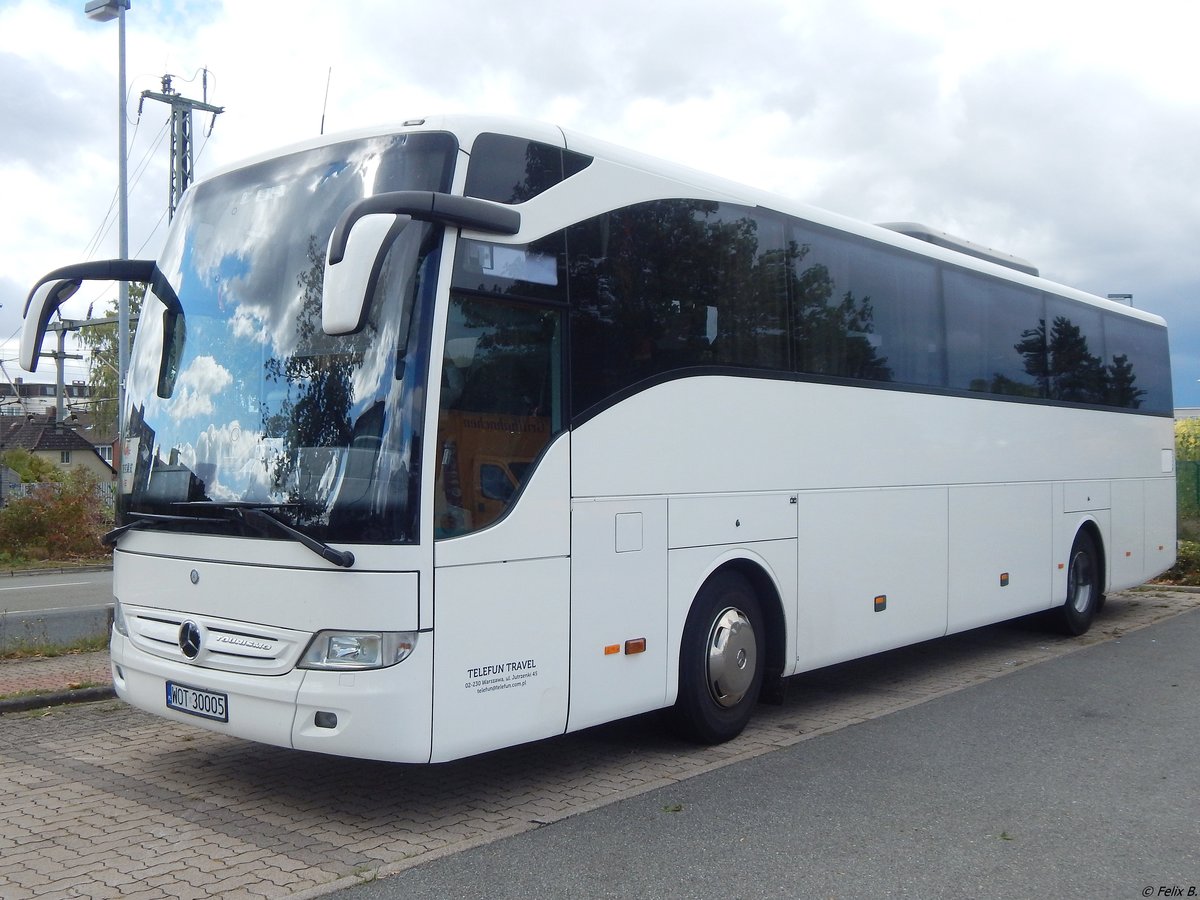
(106, 11)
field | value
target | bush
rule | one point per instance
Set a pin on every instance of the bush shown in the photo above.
(57, 520)
(1186, 570)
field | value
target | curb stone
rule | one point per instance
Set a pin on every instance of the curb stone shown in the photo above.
(57, 698)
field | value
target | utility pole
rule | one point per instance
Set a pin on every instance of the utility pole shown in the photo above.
(62, 327)
(182, 152)
(106, 11)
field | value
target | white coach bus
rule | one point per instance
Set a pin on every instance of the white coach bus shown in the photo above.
(472, 432)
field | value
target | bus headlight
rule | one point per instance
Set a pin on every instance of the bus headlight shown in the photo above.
(351, 650)
(119, 619)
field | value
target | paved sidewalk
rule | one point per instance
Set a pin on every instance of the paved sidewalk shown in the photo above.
(102, 800)
(40, 681)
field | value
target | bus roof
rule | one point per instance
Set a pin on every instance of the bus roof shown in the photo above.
(908, 236)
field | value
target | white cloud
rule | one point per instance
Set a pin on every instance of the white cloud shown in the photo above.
(215, 446)
(198, 384)
(1064, 132)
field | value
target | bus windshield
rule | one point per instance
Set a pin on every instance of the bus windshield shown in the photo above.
(260, 407)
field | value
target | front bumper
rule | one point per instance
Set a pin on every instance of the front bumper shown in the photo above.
(383, 714)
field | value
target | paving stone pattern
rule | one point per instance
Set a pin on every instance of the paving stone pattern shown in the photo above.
(55, 674)
(100, 800)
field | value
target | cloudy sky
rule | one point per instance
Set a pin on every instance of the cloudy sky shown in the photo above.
(1064, 132)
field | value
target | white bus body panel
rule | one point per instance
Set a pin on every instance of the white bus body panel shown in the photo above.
(1160, 539)
(1001, 552)
(856, 546)
(501, 673)
(729, 434)
(618, 594)
(953, 508)
(1126, 550)
(724, 519)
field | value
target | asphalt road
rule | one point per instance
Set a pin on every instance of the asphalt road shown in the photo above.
(54, 609)
(42, 593)
(1079, 777)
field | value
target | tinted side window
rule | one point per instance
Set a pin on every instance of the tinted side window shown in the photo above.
(1137, 368)
(833, 323)
(674, 284)
(1074, 349)
(903, 292)
(502, 402)
(996, 336)
(865, 311)
(508, 169)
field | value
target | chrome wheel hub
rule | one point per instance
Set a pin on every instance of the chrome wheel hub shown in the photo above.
(732, 657)
(1081, 582)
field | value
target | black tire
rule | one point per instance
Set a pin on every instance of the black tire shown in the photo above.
(1084, 590)
(721, 661)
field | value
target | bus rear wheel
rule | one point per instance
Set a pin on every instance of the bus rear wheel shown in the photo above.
(1084, 592)
(720, 661)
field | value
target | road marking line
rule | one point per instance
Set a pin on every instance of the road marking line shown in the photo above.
(35, 587)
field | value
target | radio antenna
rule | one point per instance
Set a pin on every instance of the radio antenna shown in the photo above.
(325, 105)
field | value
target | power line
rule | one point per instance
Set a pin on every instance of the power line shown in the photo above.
(158, 224)
(183, 159)
(106, 225)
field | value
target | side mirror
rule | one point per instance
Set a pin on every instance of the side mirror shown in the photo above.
(174, 336)
(49, 294)
(352, 263)
(45, 299)
(366, 229)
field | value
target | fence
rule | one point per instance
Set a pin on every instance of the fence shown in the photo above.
(9, 491)
(1187, 498)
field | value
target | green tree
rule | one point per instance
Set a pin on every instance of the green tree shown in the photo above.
(101, 341)
(32, 469)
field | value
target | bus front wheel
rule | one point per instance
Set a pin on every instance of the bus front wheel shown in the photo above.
(1084, 592)
(720, 661)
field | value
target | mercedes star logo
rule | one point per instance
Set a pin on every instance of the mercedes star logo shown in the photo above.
(189, 639)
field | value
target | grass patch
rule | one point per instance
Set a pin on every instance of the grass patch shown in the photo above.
(15, 564)
(33, 649)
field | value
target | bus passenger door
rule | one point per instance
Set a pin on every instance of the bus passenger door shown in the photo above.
(501, 521)
(618, 609)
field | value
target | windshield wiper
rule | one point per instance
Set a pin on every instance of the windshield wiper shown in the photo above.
(343, 558)
(254, 514)
(152, 520)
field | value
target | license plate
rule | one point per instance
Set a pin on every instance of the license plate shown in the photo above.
(195, 702)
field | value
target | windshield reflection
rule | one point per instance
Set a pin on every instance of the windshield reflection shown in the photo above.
(266, 408)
